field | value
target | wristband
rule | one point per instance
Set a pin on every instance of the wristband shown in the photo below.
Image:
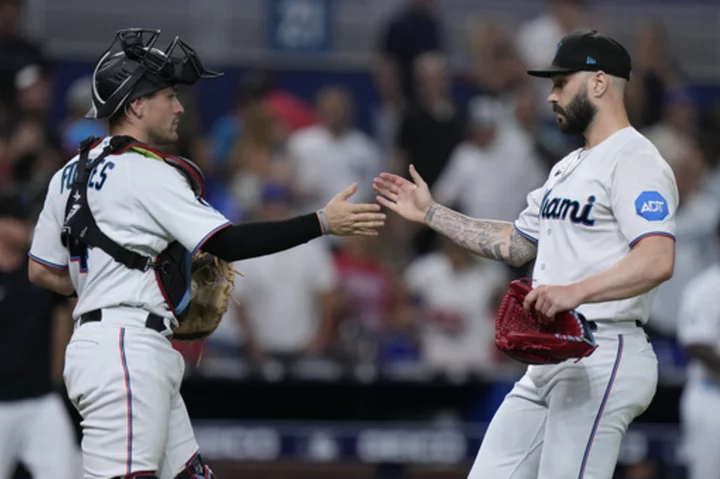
(324, 222)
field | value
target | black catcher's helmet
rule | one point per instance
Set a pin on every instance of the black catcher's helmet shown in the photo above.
(140, 69)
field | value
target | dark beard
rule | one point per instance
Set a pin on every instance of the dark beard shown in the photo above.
(578, 115)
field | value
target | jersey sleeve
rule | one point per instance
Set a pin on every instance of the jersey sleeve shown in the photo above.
(644, 197)
(47, 248)
(699, 321)
(528, 223)
(171, 203)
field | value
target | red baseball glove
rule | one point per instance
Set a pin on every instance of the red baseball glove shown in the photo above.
(530, 338)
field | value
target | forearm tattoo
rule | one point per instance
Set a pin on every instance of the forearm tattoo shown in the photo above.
(521, 249)
(496, 240)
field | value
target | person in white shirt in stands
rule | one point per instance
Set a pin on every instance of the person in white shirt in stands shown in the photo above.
(332, 152)
(699, 333)
(489, 172)
(456, 291)
(286, 302)
(536, 39)
(697, 213)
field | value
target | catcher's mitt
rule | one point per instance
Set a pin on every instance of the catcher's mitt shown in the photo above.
(529, 338)
(212, 283)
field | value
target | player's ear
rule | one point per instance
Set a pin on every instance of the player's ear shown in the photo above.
(137, 107)
(599, 84)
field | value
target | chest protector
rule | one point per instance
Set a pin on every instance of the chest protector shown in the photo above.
(172, 267)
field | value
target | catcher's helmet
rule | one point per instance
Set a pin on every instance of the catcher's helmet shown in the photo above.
(140, 69)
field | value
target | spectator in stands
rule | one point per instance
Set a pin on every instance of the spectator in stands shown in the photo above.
(35, 427)
(489, 173)
(387, 113)
(429, 131)
(75, 128)
(257, 158)
(33, 155)
(412, 32)
(34, 145)
(537, 40)
(333, 152)
(698, 213)
(366, 296)
(34, 92)
(286, 301)
(655, 74)
(257, 87)
(699, 334)
(456, 293)
(496, 66)
(225, 131)
(433, 126)
(16, 51)
(678, 126)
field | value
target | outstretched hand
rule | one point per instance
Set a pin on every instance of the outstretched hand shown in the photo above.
(347, 219)
(409, 199)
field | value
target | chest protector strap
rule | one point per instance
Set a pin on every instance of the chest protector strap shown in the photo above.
(80, 230)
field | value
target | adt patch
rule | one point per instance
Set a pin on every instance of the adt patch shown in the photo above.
(652, 206)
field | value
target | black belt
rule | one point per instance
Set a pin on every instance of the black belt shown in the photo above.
(153, 321)
(593, 324)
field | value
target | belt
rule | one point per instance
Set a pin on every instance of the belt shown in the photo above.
(593, 325)
(153, 321)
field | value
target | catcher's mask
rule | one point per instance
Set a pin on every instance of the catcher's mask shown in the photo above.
(140, 69)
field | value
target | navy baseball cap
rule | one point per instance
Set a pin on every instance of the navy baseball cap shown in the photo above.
(588, 51)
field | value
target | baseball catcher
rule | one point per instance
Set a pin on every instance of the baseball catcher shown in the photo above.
(127, 229)
(532, 338)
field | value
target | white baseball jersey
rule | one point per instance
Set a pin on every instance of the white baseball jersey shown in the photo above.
(460, 329)
(465, 181)
(141, 203)
(280, 293)
(594, 207)
(699, 324)
(699, 321)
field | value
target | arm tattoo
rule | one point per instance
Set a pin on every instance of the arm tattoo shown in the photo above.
(496, 240)
(521, 249)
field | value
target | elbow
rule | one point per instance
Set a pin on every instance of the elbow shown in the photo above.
(517, 262)
(663, 271)
(667, 272)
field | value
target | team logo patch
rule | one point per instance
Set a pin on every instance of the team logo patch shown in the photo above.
(652, 206)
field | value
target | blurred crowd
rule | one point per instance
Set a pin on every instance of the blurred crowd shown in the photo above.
(480, 133)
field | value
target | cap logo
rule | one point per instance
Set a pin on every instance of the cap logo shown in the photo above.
(558, 47)
(590, 61)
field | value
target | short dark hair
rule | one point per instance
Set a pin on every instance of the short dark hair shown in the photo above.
(118, 117)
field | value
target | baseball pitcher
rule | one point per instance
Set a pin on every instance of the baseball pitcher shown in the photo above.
(601, 232)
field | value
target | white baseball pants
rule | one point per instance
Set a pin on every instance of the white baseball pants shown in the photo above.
(701, 429)
(124, 379)
(39, 433)
(566, 421)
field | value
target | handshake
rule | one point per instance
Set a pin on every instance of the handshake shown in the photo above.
(409, 199)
